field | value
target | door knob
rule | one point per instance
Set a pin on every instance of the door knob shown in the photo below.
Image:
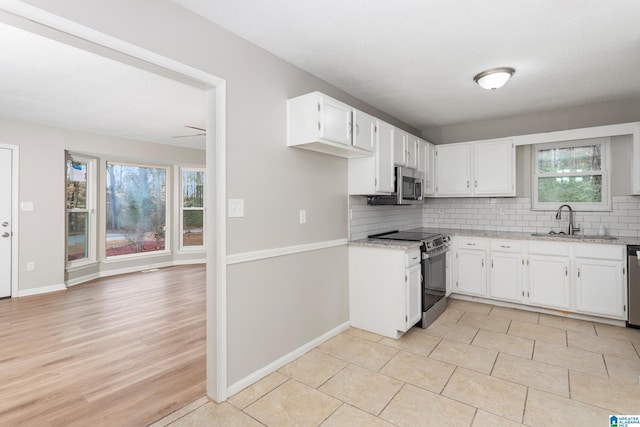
(5, 234)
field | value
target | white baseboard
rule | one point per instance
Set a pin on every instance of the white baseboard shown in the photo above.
(41, 290)
(277, 364)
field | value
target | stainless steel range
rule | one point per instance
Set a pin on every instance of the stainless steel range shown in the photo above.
(434, 266)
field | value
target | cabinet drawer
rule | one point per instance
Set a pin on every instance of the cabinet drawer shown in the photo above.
(506, 246)
(472, 243)
(412, 257)
(613, 252)
(549, 248)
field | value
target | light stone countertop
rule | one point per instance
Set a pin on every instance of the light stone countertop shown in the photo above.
(397, 244)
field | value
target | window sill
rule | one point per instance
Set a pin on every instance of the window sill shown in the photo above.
(142, 255)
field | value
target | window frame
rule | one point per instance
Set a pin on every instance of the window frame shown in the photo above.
(92, 197)
(605, 173)
(167, 225)
(181, 209)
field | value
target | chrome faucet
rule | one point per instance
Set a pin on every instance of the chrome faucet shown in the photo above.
(572, 230)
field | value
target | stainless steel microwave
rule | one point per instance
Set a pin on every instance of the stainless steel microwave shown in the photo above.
(408, 189)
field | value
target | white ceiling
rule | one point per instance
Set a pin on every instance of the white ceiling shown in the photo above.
(51, 83)
(415, 59)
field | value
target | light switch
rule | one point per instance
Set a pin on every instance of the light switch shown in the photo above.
(303, 216)
(26, 206)
(236, 208)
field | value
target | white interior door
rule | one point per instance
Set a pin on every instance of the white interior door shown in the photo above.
(6, 200)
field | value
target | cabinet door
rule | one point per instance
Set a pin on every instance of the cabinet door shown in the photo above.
(600, 287)
(399, 147)
(429, 177)
(384, 159)
(422, 159)
(472, 277)
(364, 135)
(453, 170)
(413, 293)
(494, 168)
(549, 284)
(412, 152)
(506, 276)
(335, 121)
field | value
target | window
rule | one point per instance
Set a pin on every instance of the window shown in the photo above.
(192, 208)
(574, 172)
(136, 209)
(80, 206)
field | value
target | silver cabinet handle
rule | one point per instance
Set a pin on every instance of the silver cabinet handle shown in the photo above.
(467, 183)
(471, 244)
(578, 272)
(5, 234)
(505, 246)
(357, 129)
(5, 224)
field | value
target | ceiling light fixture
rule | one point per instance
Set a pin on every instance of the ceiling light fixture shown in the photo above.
(494, 78)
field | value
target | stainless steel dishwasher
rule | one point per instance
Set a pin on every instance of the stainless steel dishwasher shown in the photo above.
(633, 267)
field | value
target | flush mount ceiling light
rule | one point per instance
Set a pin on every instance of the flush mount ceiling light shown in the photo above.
(494, 78)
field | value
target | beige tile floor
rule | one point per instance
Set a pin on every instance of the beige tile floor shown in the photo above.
(477, 365)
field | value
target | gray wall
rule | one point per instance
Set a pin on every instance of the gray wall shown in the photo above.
(603, 113)
(275, 181)
(41, 234)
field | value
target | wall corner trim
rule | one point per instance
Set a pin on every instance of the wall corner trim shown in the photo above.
(277, 364)
(283, 251)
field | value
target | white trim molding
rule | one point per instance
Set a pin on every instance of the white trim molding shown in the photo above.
(287, 358)
(41, 290)
(287, 250)
(582, 133)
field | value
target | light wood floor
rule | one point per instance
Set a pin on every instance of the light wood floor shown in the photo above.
(119, 351)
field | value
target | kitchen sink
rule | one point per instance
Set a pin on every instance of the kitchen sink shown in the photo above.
(576, 236)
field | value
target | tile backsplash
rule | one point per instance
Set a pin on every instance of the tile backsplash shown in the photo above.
(491, 214)
(366, 220)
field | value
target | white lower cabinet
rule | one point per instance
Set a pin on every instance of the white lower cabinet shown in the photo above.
(549, 284)
(601, 282)
(384, 289)
(471, 258)
(505, 273)
(580, 278)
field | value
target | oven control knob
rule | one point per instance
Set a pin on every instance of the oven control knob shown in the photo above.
(429, 245)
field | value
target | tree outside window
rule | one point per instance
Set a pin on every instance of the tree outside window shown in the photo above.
(80, 200)
(192, 208)
(136, 209)
(572, 172)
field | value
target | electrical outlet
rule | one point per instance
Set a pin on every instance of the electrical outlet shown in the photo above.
(31, 266)
(441, 211)
(303, 216)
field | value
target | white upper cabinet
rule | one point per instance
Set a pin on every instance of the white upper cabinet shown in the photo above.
(405, 149)
(364, 134)
(413, 143)
(453, 170)
(475, 169)
(428, 158)
(320, 123)
(494, 168)
(384, 176)
(399, 147)
(374, 175)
